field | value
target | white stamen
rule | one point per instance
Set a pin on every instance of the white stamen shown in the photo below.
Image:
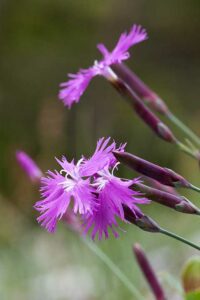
(115, 168)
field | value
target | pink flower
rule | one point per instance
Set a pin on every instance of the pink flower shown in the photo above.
(101, 158)
(72, 90)
(97, 195)
(136, 35)
(28, 165)
(113, 194)
(59, 190)
(103, 219)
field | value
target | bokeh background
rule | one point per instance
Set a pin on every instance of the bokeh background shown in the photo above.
(41, 41)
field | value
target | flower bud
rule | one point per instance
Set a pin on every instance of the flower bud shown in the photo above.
(142, 221)
(29, 166)
(162, 175)
(141, 89)
(144, 112)
(148, 272)
(176, 202)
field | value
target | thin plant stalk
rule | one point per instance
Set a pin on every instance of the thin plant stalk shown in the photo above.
(75, 226)
(184, 128)
(113, 267)
(146, 223)
(179, 238)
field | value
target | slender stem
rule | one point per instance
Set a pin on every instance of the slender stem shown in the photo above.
(190, 144)
(184, 128)
(187, 150)
(179, 238)
(114, 268)
(195, 188)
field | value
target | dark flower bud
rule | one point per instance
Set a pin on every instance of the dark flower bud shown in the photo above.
(142, 221)
(144, 167)
(144, 112)
(137, 85)
(148, 272)
(176, 202)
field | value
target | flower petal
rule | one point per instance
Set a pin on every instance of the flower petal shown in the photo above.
(136, 35)
(101, 158)
(72, 90)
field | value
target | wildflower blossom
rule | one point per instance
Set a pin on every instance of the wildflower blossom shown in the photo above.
(72, 90)
(28, 165)
(113, 193)
(136, 35)
(97, 194)
(57, 192)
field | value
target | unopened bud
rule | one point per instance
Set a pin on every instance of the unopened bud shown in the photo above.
(29, 166)
(148, 272)
(176, 202)
(141, 89)
(162, 175)
(142, 221)
(144, 112)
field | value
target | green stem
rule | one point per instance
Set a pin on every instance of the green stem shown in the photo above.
(195, 188)
(110, 264)
(187, 150)
(179, 238)
(184, 128)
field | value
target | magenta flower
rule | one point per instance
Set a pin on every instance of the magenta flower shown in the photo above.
(72, 90)
(102, 157)
(136, 35)
(28, 165)
(113, 194)
(57, 192)
(97, 195)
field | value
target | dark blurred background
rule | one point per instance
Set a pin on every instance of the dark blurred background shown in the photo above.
(41, 41)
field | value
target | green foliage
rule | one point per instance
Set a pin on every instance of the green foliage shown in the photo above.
(193, 296)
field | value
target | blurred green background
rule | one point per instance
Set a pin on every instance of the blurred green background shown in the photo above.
(41, 41)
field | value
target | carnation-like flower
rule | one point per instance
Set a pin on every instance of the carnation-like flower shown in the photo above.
(72, 90)
(59, 190)
(28, 165)
(97, 195)
(113, 194)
